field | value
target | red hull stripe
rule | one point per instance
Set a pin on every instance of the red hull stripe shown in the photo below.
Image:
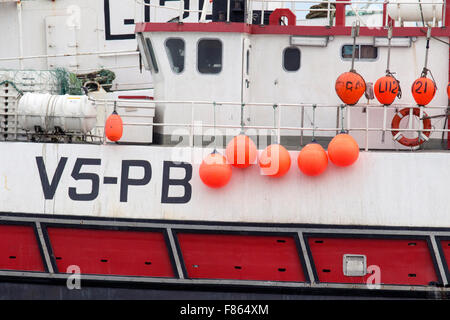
(400, 261)
(19, 249)
(287, 30)
(108, 252)
(243, 257)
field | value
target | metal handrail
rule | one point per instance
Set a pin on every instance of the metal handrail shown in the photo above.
(280, 106)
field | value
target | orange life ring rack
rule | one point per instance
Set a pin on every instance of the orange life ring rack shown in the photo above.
(423, 136)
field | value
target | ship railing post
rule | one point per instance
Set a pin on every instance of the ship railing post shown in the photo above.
(279, 125)
(367, 128)
(302, 124)
(106, 113)
(383, 134)
(181, 10)
(348, 119)
(410, 120)
(263, 4)
(338, 116)
(420, 128)
(330, 21)
(191, 136)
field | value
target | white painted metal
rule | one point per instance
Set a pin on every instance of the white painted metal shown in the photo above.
(408, 10)
(313, 83)
(69, 113)
(380, 189)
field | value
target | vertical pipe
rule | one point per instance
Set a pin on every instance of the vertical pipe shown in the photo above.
(303, 124)
(263, 4)
(340, 14)
(191, 137)
(330, 23)
(228, 9)
(181, 10)
(19, 19)
(384, 123)
(447, 17)
(279, 125)
(367, 128)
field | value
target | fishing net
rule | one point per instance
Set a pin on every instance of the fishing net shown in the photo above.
(58, 81)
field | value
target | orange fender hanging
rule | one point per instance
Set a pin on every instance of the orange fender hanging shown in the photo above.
(114, 127)
(423, 136)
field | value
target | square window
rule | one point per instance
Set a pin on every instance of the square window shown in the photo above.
(209, 56)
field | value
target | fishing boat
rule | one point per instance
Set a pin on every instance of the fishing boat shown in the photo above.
(224, 149)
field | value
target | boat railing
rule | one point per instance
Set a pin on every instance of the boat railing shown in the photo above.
(308, 124)
(334, 11)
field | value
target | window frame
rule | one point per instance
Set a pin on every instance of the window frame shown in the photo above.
(359, 58)
(169, 57)
(299, 62)
(221, 54)
(148, 46)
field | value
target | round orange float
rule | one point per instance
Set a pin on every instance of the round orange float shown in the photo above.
(423, 90)
(343, 150)
(350, 86)
(312, 159)
(214, 170)
(275, 161)
(386, 89)
(114, 127)
(241, 151)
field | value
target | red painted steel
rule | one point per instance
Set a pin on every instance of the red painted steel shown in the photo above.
(242, 257)
(445, 245)
(19, 249)
(131, 253)
(401, 262)
(286, 30)
(340, 14)
(277, 14)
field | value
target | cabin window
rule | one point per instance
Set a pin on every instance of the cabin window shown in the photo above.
(209, 56)
(291, 59)
(175, 52)
(151, 55)
(362, 52)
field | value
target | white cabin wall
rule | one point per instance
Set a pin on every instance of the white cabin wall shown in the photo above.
(314, 82)
(90, 37)
(191, 85)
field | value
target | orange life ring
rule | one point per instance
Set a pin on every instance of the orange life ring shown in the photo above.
(423, 136)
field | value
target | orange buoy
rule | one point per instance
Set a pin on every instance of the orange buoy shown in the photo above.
(214, 170)
(114, 127)
(275, 161)
(312, 159)
(386, 89)
(241, 151)
(350, 86)
(423, 90)
(343, 150)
